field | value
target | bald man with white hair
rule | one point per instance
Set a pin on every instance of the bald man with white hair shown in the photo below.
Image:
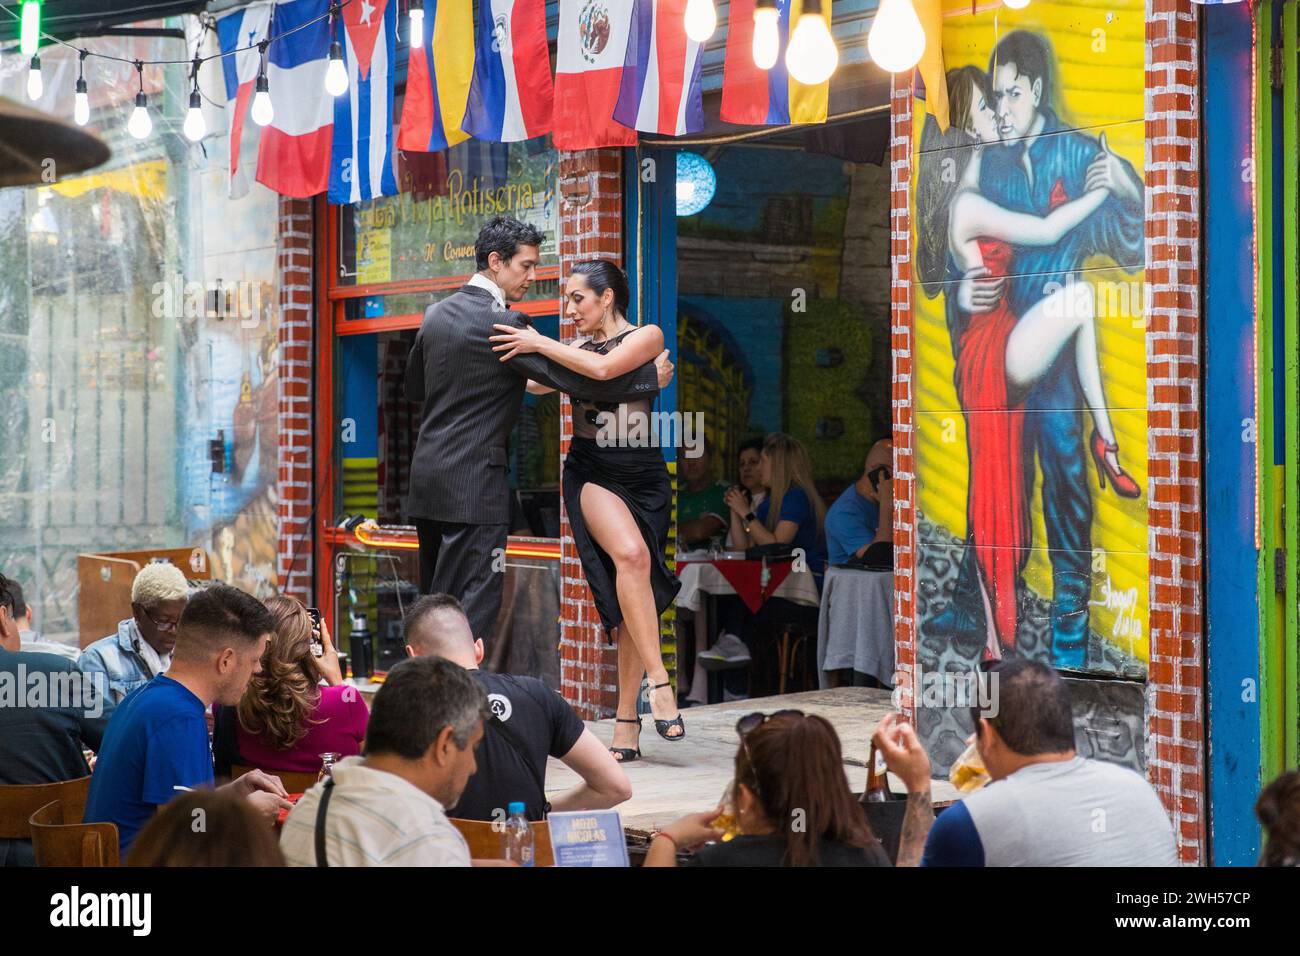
(854, 520)
(142, 647)
(530, 722)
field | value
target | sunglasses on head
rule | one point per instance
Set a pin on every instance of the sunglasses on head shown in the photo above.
(757, 719)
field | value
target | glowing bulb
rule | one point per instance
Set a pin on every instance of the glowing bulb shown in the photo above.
(263, 111)
(30, 31)
(896, 40)
(194, 127)
(701, 19)
(812, 55)
(336, 74)
(140, 124)
(1016, 4)
(417, 27)
(81, 104)
(767, 40)
(35, 85)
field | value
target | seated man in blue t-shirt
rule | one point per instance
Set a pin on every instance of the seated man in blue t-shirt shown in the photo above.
(157, 744)
(852, 521)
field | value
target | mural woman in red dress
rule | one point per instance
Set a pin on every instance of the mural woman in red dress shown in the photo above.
(1001, 356)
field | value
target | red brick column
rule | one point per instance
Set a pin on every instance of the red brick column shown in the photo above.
(294, 367)
(1175, 689)
(591, 225)
(901, 329)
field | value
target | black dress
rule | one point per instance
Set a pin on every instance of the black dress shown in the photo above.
(599, 455)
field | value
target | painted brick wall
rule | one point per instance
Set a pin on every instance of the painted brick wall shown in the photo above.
(901, 327)
(591, 225)
(294, 363)
(1175, 690)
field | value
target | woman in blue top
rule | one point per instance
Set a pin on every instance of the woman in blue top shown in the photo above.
(792, 513)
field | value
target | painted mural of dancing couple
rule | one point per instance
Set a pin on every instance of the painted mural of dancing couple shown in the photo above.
(1011, 202)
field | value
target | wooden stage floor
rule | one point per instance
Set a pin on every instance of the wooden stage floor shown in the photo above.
(675, 778)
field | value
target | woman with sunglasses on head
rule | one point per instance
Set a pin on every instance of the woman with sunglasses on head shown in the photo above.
(616, 490)
(792, 800)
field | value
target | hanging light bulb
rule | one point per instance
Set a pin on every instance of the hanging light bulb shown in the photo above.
(29, 36)
(195, 126)
(336, 74)
(416, 16)
(767, 38)
(701, 19)
(812, 55)
(140, 124)
(263, 112)
(1016, 4)
(896, 40)
(81, 99)
(35, 85)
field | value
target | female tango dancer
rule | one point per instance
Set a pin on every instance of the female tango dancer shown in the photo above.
(618, 495)
(1000, 356)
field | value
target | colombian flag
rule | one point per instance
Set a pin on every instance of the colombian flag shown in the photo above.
(438, 78)
(754, 97)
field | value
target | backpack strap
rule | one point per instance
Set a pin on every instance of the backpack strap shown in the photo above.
(514, 741)
(320, 822)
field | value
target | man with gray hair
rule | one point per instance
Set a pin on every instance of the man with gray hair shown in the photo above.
(388, 807)
(142, 647)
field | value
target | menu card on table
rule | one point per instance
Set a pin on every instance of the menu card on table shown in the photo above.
(588, 838)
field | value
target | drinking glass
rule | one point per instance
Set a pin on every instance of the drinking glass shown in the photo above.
(327, 762)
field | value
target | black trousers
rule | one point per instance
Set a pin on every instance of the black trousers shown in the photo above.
(467, 561)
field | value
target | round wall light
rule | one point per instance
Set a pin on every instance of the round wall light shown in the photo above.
(696, 183)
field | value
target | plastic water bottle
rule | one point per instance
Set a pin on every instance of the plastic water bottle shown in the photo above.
(517, 838)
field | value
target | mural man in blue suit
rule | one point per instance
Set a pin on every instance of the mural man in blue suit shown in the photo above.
(1040, 163)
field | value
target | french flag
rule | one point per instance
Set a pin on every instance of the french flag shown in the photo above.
(243, 28)
(362, 163)
(661, 90)
(293, 155)
(512, 96)
(438, 79)
(590, 47)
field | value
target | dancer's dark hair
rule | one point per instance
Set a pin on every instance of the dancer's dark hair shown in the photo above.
(601, 274)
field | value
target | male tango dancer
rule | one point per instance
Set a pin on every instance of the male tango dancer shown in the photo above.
(459, 497)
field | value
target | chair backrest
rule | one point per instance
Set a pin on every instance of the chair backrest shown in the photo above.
(18, 803)
(71, 844)
(485, 842)
(294, 782)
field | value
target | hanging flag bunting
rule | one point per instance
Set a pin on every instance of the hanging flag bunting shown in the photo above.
(362, 163)
(246, 27)
(754, 97)
(512, 95)
(930, 13)
(438, 79)
(590, 47)
(661, 91)
(293, 154)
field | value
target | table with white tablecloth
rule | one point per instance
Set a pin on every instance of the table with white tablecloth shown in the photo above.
(856, 627)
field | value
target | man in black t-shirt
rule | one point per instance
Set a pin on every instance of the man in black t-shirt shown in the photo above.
(531, 722)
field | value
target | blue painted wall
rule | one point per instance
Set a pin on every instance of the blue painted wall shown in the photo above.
(1232, 620)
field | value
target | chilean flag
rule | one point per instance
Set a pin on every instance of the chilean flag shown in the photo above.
(512, 96)
(293, 155)
(590, 47)
(246, 27)
(438, 78)
(361, 166)
(661, 90)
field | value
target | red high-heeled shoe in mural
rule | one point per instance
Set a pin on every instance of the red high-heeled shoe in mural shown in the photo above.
(1120, 479)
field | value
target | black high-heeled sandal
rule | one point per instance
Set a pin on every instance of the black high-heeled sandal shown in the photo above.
(627, 754)
(663, 726)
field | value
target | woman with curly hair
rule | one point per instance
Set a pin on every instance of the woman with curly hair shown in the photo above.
(296, 708)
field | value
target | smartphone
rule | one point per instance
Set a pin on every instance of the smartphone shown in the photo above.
(878, 474)
(317, 642)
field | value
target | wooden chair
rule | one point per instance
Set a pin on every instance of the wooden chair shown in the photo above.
(485, 842)
(18, 803)
(294, 782)
(71, 844)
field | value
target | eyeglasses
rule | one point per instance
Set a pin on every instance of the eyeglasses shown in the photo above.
(161, 625)
(751, 722)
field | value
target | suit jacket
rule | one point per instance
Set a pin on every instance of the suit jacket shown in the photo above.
(470, 401)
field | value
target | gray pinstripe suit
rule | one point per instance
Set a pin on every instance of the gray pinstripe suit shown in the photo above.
(459, 495)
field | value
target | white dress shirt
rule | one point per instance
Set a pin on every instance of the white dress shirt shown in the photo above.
(479, 281)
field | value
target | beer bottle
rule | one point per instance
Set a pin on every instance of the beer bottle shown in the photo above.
(877, 790)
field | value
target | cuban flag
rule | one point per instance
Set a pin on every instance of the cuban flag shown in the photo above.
(243, 28)
(362, 163)
(438, 79)
(293, 153)
(755, 97)
(590, 47)
(661, 91)
(512, 96)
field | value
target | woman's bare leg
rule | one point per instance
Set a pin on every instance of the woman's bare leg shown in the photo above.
(1043, 332)
(994, 646)
(615, 530)
(629, 686)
